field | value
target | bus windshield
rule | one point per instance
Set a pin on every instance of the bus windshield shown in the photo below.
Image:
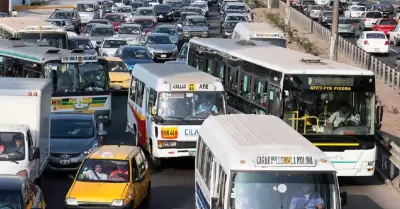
(87, 77)
(58, 40)
(190, 105)
(283, 190)
(274, 41)
(329, 105)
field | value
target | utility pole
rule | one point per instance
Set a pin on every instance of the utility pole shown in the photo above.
(334, 31)
(10, 8)
(287, 20)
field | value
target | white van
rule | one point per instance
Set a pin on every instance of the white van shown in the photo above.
(259, 32)
(250, 161)
(167, 103)
(25, 126)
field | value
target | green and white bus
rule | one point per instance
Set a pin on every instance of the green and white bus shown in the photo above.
(80, 82)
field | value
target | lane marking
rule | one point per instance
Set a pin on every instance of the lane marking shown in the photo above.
(393, 50)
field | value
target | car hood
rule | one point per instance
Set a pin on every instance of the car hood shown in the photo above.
(133, 62)
(162, 47)
(195, 28)
(119, 76)
(95, 191)
(108, 51)
(129, 36)
(70, 145)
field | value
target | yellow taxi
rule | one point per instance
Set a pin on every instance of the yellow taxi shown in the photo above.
(119, 75)
(20, 192)
(113, 176)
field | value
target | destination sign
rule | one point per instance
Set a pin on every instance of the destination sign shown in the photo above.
(268, 35)
(330, 88)
(271, 160)
(79, 59)
(41, 28)
(192, 87)
(330, 81)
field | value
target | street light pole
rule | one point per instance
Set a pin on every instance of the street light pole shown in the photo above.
(334, 31)
(287, 19)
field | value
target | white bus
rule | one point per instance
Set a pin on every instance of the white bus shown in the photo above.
(258, 161)
(34, 30)
(259, 32)
(80, 81)
(166, 106)
(304, 90)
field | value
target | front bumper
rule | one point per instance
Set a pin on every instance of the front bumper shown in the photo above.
(165, 55)
(195, 34)
(95, 205)
(184, 149)
(60, 164)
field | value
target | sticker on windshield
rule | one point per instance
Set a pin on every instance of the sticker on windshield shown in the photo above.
(233, 193)
(189, 94)
(282, 188)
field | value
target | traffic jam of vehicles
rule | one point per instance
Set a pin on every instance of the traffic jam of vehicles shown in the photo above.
(182, 82)
(374, 25)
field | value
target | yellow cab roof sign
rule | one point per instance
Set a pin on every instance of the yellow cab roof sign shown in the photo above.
(268, 35)
(41, 28)
(107, 155)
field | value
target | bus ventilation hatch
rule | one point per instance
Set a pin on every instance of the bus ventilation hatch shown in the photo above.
(246, 43)
(78, 51)
(52, 51)
(312, 61)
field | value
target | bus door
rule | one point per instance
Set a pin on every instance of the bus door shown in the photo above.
(149, 110)
(274, 100)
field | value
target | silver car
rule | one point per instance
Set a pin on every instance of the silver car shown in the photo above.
(73, 137)
(110, 45)
(99, 32)
(132, 33)
(87, 11)
(313, 11)
(161, 46)
(127, 11)
(347, 27)
(171, 30)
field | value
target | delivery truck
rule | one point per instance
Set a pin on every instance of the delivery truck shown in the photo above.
(25, 108)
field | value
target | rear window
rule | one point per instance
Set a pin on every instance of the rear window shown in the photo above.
(376, 36)
(388, 22)
(373, 15)
(308, 2)
(345, 21)
(328, 14)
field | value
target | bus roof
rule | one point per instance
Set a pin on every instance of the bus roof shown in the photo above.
(243, 139)
(34, 53)
(259, 27)
(277, 58)
(15, 24)
(25, 85)
(157, 74)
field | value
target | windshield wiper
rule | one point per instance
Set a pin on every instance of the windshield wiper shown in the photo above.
(174, 117)
(195, 117)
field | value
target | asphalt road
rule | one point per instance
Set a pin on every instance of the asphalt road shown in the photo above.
(173, 186)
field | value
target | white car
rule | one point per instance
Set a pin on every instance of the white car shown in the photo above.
(355, 11)
(368, 19)
(374, 42)
(110, 45)
(202, 5)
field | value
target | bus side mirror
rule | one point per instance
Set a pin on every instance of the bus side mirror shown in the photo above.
(343, 198)
(379, 116)
(214, 203)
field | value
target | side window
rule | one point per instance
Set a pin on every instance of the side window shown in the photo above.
(208, 169)
(135, 170)
(139, 93)
(132, 90)
(152, 100)
(199, 152)
(245, 81)
(140, 165)
(233, 76)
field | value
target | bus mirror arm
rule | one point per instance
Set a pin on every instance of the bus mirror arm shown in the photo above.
(214, 203)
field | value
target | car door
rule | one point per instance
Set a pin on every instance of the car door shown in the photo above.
(135, 186)
(141, 167)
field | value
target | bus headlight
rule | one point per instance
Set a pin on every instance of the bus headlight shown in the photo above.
(368, 164)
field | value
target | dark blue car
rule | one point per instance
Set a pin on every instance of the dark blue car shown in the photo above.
(134, 54)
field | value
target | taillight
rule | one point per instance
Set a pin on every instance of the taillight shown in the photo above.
(386, 42)
(22, 173)
(366, 42)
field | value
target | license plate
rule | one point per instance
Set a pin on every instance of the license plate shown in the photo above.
(169, 133)
(65, 161)
(163, 55)
(376, 50)
(195, 36)
(160, 16)
(192, 153)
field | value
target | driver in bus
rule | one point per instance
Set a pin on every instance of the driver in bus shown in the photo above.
(306, 199)
(207, 106)
(344, 116)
